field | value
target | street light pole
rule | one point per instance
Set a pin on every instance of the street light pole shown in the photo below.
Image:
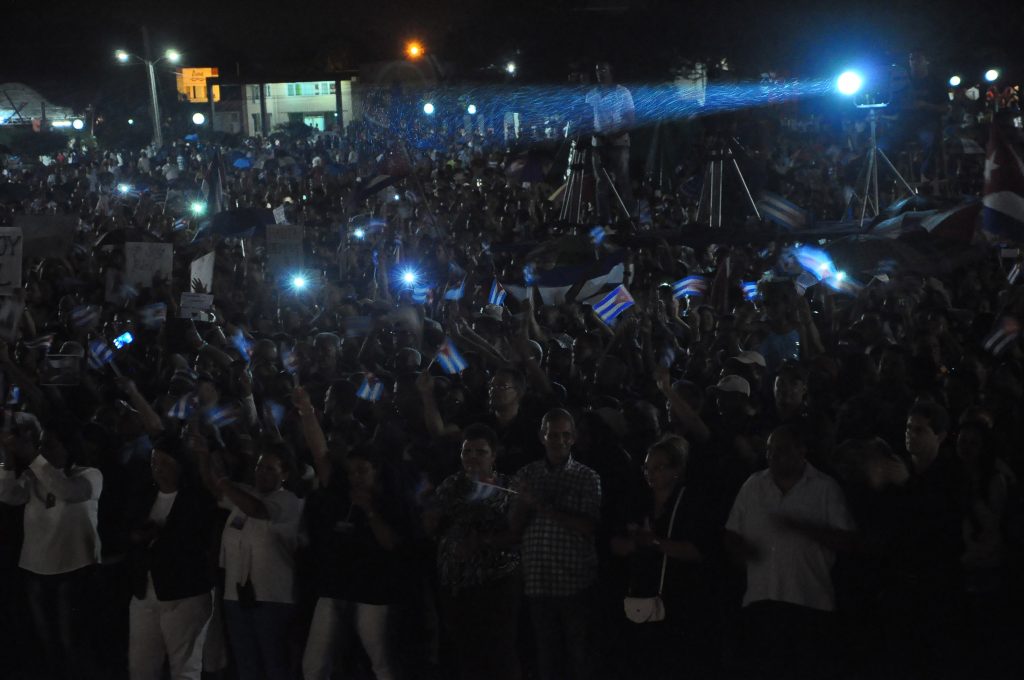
(158, 135)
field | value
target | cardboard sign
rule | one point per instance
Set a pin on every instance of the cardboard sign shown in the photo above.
(284, 248)
(61, 370)
(47, 235)
(195, 306)
(279, 216)
(10, 317)
(11, 244)
(202, 270)
(143, 261)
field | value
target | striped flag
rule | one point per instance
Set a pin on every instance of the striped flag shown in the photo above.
(100, 354)
(151, 316)
(213, 186)
(221, 416)
(456, 293)
(182, 408)
(422, 294)
(43, 342)
(483, 490)
(597, 235)
(750, 290)
(1014, 275)
(690, 286)
(1003, 197)
(1003, 337)
(452, 362)
(85, 316)
(497, 294)
(613, 304)
(180, 223)
(242, 344)
(778, 210)
(371, 389)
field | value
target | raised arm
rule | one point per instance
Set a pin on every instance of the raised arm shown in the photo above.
(314, 434)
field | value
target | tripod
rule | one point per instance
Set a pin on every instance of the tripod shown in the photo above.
(869, 197)
(709, 206)
(572, 200)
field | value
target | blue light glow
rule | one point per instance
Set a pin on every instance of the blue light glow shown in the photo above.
(428, 109)
(849, 83)
(299, 282)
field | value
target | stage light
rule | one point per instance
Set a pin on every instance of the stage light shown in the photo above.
(849, 83)
(428, 109)
(78, 123)
(397, 197)
(197, 207)
(299, 282)
(198, 118)
(510, 68)
(992, 75)
(359, 234)
(61, 124)
(955, 81)
(121, 55)
(414, 49)
(471, 109)
(409, 277)
(840, 276)
(131, 121)
(173, 56)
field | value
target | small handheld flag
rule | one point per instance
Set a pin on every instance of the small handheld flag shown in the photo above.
(43, 342)
(456, 293)
(614, 304)
(182, 408)
(372, 389)
(497, 294)
(597, 235)
(1003, 337)
(452, 362)
(100, 354)
(221, 416)
(85, 316)
(750, 290)
(690, 286)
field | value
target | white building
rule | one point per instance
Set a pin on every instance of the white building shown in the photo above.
(313, 103)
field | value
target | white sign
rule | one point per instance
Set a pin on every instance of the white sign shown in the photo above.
(11, 245)
(202, 271)
(47, 235)
(284, 247)
(279, 216)
(195, 306)
(143, 261)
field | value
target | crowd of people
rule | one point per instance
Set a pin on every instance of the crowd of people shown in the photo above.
(343, 472)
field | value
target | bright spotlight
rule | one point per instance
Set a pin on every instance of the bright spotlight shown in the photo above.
(121, 55)
(197, 207)
(428, 109)
(414, 49)
(173, 56)
(471, 109)
(849, 83)
(992, 75)
(123, 188)
(955, 81)
(198, 118)
(299, 282)
(409, 277)
(78, 123)
(510, 68)
(131, 121)
(840, 276)
(359, 234)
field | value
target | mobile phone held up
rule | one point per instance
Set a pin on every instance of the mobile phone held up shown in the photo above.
(123, 340)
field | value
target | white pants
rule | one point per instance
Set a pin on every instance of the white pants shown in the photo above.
(172, 630)
(330, 625)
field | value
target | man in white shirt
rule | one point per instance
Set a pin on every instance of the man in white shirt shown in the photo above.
(614, 115)
(786, 524)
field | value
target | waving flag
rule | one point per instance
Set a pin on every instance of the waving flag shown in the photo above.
(750, 290)
(554, 283)
(243, 345)
(213, 186)
(422, 294)
(1003, 337)
(1012, 277)
(597, 235)
(100, 354)
(221, 416)
(456, 293)
(182, 408)
(778, 210)
(690, 286)
(817, 262)
(372, 389)
(1003, 197)
(153, 315)
(450, 359)
(85, 316)
(497, 294)
(43, 342)
(613, 304)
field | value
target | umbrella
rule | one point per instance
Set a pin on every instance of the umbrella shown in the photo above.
(915, 202)
(192, 137)
(894, 227)
(956, 224)
(242, 163)
(119, 237)
(237, 223)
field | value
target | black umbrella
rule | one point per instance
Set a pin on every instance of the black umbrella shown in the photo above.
(119, 237)
(237, 223)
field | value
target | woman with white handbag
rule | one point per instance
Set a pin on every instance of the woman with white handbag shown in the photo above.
(669, 605)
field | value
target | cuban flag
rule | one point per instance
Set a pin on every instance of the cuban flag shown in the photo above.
(497, 294)
(153, 315)
(613, 304)
(243, 345)
(85, 316)
(750, 290)
(778, 210)
(452, 362)
(1012, 277)
(1003, 337)
(597, 235)
(456, 293)
(213, 186)
(422, 294)
(221, 416)
(182, 408)
(553, 284)
(371, 389)
(1003, 196)
(817, 262)
(181, 223)
(43, 342)
(100, 354)
(690, 286)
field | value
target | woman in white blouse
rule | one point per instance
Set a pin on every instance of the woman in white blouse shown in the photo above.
(61, 545)
(258, 556)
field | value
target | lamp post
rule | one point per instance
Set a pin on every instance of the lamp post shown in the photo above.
(172, 56)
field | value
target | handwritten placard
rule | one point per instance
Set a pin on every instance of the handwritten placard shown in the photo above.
(195, 306)
(143, 261)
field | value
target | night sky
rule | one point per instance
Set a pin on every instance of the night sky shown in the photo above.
(67, 45)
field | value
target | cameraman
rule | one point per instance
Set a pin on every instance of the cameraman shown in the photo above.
(614, 115)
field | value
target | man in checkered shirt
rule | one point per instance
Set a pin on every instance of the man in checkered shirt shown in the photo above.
(556, 512)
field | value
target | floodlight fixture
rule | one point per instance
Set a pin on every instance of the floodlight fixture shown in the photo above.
(359, 234)
(409, 277)
(122, 56)
(131, 121)
(992, 75)
(78, 124)
(428, 109)
(510, 68)
(471, 109)
(849, 83)
(173, 56)
(954, 81)
(299, 282)
(198, 118)
(198, 207)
